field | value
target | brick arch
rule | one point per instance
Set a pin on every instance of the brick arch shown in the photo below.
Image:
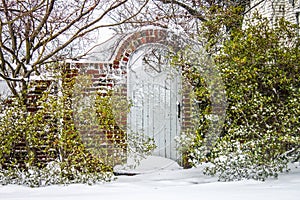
(133, 41)
(122, 52)
(124, 49)
(117, 64)
(137, 39)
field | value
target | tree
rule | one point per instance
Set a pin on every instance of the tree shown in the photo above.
(187, 14)
(35, 33)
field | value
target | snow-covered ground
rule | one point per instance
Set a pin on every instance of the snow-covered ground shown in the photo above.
(163, 179)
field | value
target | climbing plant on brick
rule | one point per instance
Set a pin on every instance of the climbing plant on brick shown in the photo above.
(43, 147)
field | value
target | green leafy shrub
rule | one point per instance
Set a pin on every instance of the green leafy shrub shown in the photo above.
(42, 146)
(70, 136)
(31, 143)
(260, 69)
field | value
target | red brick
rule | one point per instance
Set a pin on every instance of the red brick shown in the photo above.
(92, 71)
(143, 40)
(125, 59)
(116, 66)
(101, 65)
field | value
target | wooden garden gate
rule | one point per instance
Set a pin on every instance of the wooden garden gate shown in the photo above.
(153, 88)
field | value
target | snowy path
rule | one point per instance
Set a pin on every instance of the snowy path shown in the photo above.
(170, 183)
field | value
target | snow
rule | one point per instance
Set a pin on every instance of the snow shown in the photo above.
(161, 178)
(151, 164)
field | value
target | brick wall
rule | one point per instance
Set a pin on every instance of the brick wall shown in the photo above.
(19, 149)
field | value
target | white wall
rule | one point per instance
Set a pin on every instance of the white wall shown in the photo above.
(274, 9)
(4, 90)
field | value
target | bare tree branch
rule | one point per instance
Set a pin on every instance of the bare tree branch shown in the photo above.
(33, 33)
(257, 4)
(189, 9)
(50, 6)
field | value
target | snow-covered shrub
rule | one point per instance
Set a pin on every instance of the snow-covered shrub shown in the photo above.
(236, 161)
(50, 175)
(263, 114)
(139, 147)
(192, 149)
(29, 141)
(61, 144)
(260, 69)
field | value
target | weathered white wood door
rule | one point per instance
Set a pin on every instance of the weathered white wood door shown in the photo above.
(153, 88)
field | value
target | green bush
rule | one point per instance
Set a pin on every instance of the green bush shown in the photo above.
(261, 134)
(43, 147)
(70, 136)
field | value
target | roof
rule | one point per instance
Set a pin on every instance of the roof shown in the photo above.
(104, 52)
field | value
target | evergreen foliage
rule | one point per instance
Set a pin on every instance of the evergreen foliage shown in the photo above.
(61, 140)
(44, 147)
(259, 64)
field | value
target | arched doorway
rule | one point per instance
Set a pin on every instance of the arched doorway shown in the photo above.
(153, 88)
(133, 66)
